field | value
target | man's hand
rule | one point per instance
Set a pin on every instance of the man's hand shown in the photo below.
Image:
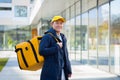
(60, 44)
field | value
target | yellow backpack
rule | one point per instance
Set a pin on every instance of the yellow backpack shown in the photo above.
(28, 54)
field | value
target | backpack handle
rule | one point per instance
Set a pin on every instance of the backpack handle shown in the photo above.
(54, 37)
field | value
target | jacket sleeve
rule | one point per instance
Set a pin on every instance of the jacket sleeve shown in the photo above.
(45, 49)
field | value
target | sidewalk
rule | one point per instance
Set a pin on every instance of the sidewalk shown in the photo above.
(12, 72)
(86, 72)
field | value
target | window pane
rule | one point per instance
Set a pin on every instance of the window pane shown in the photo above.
(77, 38)
(115, 37)
(84, 38)
(11, 35)
(10, 39)
(103, 43)
(92, 37)
(20, 11)
(5, 8)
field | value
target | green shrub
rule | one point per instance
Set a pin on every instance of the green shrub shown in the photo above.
(3, 61)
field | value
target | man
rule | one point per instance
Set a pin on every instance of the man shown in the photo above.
(56, 65)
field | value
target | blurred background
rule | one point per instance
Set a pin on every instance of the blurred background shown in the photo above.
(92, 29)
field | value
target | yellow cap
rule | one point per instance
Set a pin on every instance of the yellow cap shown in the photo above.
(55, 18)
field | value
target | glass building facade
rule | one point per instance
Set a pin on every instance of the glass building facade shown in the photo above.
(93, 33)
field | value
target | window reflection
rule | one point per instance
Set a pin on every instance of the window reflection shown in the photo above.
(103, 38)
(115, 37)
(92, 37)
(77, 36)
(11, 35)
(84, 38)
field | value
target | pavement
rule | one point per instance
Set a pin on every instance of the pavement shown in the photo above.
(80, 72)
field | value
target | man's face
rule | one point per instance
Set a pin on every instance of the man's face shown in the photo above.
(57, 25)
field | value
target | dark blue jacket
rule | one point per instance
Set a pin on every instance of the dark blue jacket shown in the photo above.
(51, 51)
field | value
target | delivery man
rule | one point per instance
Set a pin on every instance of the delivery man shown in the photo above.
(56, 65)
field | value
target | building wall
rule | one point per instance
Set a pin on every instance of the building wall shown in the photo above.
(14, 22)
(14, 12)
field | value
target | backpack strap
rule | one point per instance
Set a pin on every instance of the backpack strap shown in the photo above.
(56, 39)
